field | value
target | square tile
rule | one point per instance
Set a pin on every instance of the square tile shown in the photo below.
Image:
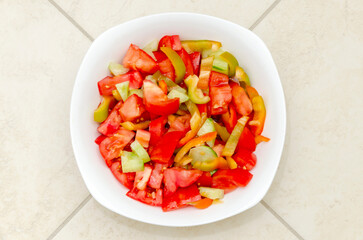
(40, 184)
(318, 49)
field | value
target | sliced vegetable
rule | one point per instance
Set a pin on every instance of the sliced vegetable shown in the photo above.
(231, 163)
(230, 179)
(142, 178)
(200, 45)
(205, 72)
(203, 158)
(101, 113)
(172, 42)
(195, 57)
(123, 89)
(178, 177)
(157, 129)
(247, 140)
(116, 95)
(147, 196)
(138, 92)
(108, 84)
(260, 138)
(132, 108)
(163, 86)
(187, 62)
(259, 115)
(167, 69)
(135, 126)
(207, 127)
(222, 132)
(164, 149)
(151, 47)
(235, 135)
(99, 139)
(178, 94)
(245, 159)
(126, 179)
(157, 175)
(195, 94)
(131, 162)
(143, 137)
(220, 66)
(202, 203)
(140, 151)
(211, 193)
(112, 122)
(242, 76)
(252, 92)
(241, 100)
(181, 198)
(232, 62)
(220, 93)
(138, 59)
(117, 69)
(230, 118)
(177, 62)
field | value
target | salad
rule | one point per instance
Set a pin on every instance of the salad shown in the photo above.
(179, 122)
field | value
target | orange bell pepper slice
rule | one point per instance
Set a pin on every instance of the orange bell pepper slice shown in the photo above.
(259, 116)
(202, 203)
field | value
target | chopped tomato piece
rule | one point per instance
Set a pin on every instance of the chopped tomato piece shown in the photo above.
(111, 147)
(205, 180)
(220, 93)
(187, 62)
(157, 102)
(142, 178)
(247, 140)
(159, 55)
(112, 122)
(108, 84)
(157, 129)
(202, 108)
(172, 41)
(132, 109)
(157, 175)
(202, 203)
(181, 198)
(164, 148)
(245, 159)
(127, 179)
(241, 100)
(99, 139)
(181, 123)
(139, 60)
(163, 86)
(195, 57)
(230, 118)
(178, 177)
(230, 179)
(143, 137)
(167, 69)
(148, 196)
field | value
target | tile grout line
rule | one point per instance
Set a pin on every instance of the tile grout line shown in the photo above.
(69, 218)
(264, 14)
(71, 20)
(276, 215)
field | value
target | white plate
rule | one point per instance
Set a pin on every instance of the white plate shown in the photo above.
(252, 55)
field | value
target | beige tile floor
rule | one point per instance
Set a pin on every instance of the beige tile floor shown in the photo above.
(318, 189)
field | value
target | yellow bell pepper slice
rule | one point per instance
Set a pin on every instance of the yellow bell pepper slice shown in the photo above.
(241, 76)
(200, 45)
(232, 62)
(135, 126)
(259, 115)
(177, 63)
(222, 132)
(232, 142)
(101, 113)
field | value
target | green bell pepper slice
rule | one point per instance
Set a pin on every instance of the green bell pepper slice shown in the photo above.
(101, 113)
(200, 45)
(232, 141)
(232, 62)
(242, 76)
(195, 94)
(177, 63)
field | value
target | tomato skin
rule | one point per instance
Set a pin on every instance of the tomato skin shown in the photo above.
(230, 179)
(125, 179)
(247, 140)
(205, 180)
(245, 159)
(112, 122)
(137, 59)
(145, 196)
(172, 41)
(241, 100)
(108, 84)
(111, 146)
(181, 198)
(187, 62)
(178, 177)
(157, 129)
(195, 57)
(167, 69)
(132, 108)
(157, 102)
(181, 123)
(164, 149)
(220, 93)
(230, 118)
(99, 139)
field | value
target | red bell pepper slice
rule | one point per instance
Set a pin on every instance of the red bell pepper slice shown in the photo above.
(220, 93)
(178, 177)
(187, 62)
(167, 69)
(138, 59)
(112, 122)
(132, 109)
(230, 179)
(195, 57)
(148, 196)
(110, 147)
(126, 179)
(247, 140)
(241, 100)
(157, 102)
(164, 149)
(230, 118)
(108, 84)
(172, 41)
(245, 159)
(181, 198)
(157, 129)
